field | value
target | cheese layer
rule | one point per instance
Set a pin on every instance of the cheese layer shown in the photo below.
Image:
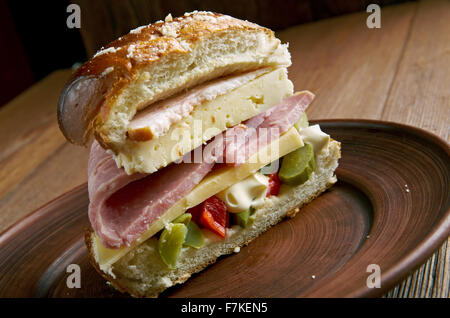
(218, 180)
(156, 120)
(204, 122)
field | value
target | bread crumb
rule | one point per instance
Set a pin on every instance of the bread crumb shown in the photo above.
(108, 50)
(170, 30)
(293, 212)
(190, 13)
(130, 50)
(237, 249)
(165, 281)
(168, 18)
(137, 30)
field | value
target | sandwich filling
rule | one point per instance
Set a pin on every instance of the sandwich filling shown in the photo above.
(123, 206)
(155, 121)
(202, 146)
(165, 131)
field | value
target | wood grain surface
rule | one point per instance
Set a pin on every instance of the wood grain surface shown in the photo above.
(398, 73)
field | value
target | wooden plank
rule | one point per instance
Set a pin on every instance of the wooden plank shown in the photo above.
(420, 96)
(33, 110)
(63, 169)
(348, 66)
(34, 151)
(420, 93)
(22, 162)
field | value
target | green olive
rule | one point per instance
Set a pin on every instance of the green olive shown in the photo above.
(245, 218)
(170, 243)
(194, 237)
(184, 218)
(241, 218)
(297, 166)
(251, 219)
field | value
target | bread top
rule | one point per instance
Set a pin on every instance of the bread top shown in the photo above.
(156, 61)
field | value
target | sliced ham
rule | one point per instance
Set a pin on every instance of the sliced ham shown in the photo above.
(240, 140)
(123, 206)
(104, 175)
(130, 210)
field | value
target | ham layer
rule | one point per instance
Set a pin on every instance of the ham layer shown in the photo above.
(158, 118)
(123, 206)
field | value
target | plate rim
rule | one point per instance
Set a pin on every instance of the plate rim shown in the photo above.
(438, 233)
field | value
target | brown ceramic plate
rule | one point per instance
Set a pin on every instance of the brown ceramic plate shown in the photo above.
(390, 207)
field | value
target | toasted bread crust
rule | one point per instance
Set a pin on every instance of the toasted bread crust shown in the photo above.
(85, 103)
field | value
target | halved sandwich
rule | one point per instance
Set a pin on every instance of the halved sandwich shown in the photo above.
(199, 145)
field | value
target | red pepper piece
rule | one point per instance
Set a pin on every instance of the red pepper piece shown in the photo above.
(274, 185)
(214, 216)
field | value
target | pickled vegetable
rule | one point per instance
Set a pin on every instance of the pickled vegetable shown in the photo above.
(214, 216)
(194, 237)
(244, 219)
(302, 122)
(170, 243)
(251, 219)
(274, 185)
(297, 166)
(184, 218)
(241, 218)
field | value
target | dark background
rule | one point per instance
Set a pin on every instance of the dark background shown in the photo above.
(35, 39)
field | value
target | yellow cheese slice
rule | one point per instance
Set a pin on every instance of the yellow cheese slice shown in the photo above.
(205, 122)
(216, 181)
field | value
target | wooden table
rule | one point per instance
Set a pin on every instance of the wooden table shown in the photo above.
(399, 73)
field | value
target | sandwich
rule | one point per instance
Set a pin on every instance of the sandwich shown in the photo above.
(198, 144)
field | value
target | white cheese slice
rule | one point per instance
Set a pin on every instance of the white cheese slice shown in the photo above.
(216, 181)
(155, 120)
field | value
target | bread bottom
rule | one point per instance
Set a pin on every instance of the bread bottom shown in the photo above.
(141, 272)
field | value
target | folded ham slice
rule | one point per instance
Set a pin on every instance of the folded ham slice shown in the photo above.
(123, 206)
(256, 132)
